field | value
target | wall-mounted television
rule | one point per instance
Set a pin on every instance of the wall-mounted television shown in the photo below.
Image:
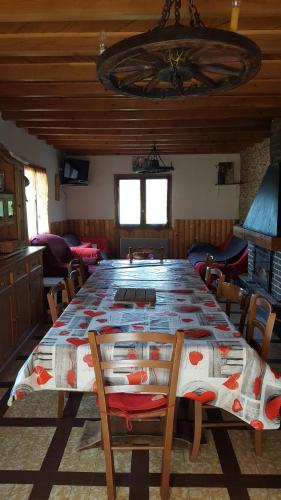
(74, 171)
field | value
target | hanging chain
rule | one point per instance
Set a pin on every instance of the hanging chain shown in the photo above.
(195, 20)
(178, 12)
(165, 13)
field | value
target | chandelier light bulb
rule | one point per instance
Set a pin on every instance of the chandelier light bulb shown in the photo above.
(102, 42)
(236, 3)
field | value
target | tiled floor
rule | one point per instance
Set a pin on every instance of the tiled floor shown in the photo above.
(39, 457)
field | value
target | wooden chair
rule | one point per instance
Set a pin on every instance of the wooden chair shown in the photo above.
(261, 319)
(57, 304)
(74, 283)
(233, 294)
(77, 265)
(58, 297)
(213, 279)
(105, 392)
(262, 348)
(146, 253)
(255, 322)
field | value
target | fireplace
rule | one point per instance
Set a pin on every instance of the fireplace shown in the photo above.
(263, 267)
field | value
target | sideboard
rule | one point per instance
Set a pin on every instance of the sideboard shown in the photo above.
(21, 298)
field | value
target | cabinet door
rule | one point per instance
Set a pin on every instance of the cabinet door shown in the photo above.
(21, 307)
(6, 330)
(36, 295)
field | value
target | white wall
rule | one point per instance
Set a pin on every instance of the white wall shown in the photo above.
(194, 193)
(38, 153)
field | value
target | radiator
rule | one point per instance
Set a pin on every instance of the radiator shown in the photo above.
(125, 243)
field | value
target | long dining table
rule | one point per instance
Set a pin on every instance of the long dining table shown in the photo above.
(215, 356)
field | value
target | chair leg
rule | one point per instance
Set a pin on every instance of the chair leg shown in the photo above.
(197, 431)
(108, 457)
(166, 457)
(258, 442)
(61, 395)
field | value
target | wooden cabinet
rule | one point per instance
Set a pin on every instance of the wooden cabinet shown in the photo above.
(7, 209)
(21, 298)
(12, 200)
(7, 323)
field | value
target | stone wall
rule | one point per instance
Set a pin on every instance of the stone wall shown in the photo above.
(254, 162)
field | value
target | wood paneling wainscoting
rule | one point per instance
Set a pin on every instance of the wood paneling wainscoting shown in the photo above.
(181, 236)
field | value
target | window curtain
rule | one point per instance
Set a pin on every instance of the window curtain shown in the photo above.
(36, 201)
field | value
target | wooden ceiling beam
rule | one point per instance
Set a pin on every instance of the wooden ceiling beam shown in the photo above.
(74, 132)
(86, 71)
(49, 44)
(118, 126)
(137, 25)
(71, 10)
(137, 121)
(160, 138)
(148, 144)
(86, 105)
(94, 89)
(220, 149)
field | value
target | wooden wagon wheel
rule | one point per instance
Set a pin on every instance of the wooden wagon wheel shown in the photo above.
(178, 61)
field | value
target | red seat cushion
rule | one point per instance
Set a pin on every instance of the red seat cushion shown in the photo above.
(135, 402)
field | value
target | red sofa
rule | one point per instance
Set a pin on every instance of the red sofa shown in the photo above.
(57, 254)
(231, 270)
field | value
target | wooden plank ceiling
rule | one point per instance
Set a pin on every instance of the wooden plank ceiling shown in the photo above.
(49, 85)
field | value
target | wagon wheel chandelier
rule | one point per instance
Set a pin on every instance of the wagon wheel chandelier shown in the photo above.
(175, 60)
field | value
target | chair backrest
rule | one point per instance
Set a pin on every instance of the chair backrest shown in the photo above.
(146, 253)
(77, 265)
(73, 282)
(233, 294)
(58, 299)
(262, 318)
(145, 367)
(214, 278)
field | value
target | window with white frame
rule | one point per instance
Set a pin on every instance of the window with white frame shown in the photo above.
(143, 201)
(36, 201)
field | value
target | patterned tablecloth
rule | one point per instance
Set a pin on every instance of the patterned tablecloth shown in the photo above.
(215, 357)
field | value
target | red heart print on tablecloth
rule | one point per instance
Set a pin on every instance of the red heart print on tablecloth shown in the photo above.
(195, 357)
(188, 309)
(236, 406)
(102, 320)
(223, 327)
(137, 377)
(224, 350)
(58, 323)
(236, 334)
(196, 333)
(20, 394)
(257, 386)
(204, 397)
(42, 375)
(110, 329)
(231, 383)
(88, 360)
(272, 408)
(75, 301)
(76, 341)
(138, 327)
(181, 291)
(64, 332)
(186, 320)
(93, 314)
(71, 377)
(257, 424)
